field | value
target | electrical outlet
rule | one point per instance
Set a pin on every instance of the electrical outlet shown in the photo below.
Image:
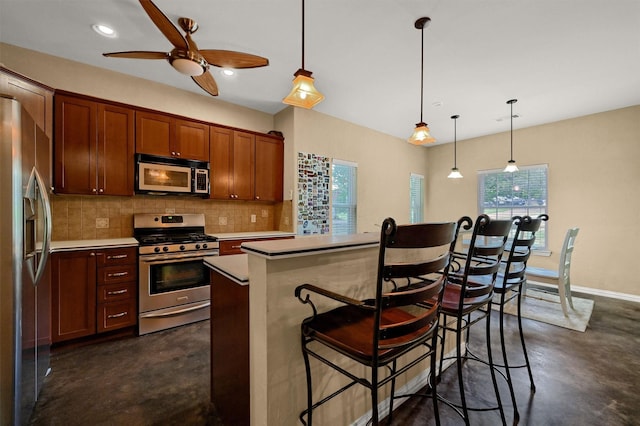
(222, 220)
(170, 211)
(264, 213)
(253, 218)
(102, 222)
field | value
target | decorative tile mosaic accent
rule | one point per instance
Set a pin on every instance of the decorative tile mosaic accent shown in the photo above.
(313, 194)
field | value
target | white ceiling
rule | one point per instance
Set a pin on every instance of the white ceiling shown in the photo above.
(559, 58)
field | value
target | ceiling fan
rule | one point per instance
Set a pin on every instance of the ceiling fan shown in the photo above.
(185, 56)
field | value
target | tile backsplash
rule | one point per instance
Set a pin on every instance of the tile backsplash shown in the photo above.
(79, 217)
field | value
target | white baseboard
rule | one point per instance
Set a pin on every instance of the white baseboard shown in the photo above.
(594, 291)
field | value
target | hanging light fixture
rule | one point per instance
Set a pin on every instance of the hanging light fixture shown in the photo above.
(304, 94)
(421, 133)
(455, 173)
(511, 164)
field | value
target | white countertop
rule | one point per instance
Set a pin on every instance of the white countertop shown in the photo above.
(310, 245)
(93, 244)
(248, 235)
(235, 267)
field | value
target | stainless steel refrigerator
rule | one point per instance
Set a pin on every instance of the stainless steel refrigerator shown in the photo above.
(25, 235)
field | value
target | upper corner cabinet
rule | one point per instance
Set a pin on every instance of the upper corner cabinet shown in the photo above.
(168, 136)
(93, 147)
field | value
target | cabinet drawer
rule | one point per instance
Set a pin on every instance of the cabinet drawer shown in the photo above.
(122, 256)
(117, 274)
(230, 247)
(115, 292)
(115, 315)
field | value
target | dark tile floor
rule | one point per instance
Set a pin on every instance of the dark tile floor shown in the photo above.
(590, 378)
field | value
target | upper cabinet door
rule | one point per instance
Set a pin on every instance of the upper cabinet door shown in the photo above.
(269, 169)
(154, 133)
(115, 150)
(220, 163)
(192, 140)
(243, 159)
(75, 146)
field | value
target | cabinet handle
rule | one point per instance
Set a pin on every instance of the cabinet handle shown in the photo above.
(93, 190)
(92, 254)
(118, 274)
(236, 247)
(173, 153)
(118, 256)
(121, 314)
(117, 292)
(178, 154)
(257, 197)
(101, 190)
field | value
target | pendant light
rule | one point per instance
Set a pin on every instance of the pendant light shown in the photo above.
(511, 164)
(421, 133)
(304, 94)
(455, 173)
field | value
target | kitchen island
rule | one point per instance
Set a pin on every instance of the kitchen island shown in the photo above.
(274, 268)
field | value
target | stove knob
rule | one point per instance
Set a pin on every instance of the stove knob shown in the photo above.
(204, 246)
(165, 248)
(182, 247)
(197, 246)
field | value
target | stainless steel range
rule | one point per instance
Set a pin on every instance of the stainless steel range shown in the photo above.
(174, 282)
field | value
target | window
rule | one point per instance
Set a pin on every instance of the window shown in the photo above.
(343, 197)
(416, 198)
(504, 195)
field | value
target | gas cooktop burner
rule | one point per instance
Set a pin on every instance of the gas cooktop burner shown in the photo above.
(171, 233)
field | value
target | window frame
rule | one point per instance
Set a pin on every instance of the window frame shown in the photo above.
(416, 209)
(352, 202)
(532, 206)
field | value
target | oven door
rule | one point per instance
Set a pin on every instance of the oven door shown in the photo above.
(172, 280)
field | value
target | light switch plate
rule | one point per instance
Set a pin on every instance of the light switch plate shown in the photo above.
(253, 218)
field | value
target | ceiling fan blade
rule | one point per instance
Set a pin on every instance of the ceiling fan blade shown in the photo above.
(231, 59)
(137, 54)
(206, 83)
(164, 25)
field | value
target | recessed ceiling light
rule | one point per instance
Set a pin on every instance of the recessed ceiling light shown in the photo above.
(104, 30)
(437, 104)
(227, 72)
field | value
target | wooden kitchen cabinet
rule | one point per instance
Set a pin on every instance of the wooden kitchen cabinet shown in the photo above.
(228, 247)
(73, 291)
(167, 136)
(245, 166)
(232, 164)
(93, 147)
(93, 291)
(269, 165)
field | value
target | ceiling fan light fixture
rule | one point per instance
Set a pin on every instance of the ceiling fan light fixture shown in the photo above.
(187, 64)
(421, 135)
(304, 94)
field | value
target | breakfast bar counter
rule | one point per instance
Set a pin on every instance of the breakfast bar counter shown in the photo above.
(276, 373)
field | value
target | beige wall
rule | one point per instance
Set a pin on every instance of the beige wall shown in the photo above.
(593, 183)
(384, 162)
(76, 77)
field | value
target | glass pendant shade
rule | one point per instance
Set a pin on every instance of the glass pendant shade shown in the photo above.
(304, 94)
(511, 167)
(421, 135)
(455, 174)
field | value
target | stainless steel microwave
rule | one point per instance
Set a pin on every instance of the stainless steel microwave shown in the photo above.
(160, 175)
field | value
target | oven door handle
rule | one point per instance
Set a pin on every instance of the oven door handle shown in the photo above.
(177, 311)
(164, 258)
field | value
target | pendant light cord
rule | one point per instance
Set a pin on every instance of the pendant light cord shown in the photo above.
(511, 103)
(455, 139)
(302, 34)
(422, 72)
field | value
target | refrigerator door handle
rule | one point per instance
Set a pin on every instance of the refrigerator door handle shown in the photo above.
(36, 188)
